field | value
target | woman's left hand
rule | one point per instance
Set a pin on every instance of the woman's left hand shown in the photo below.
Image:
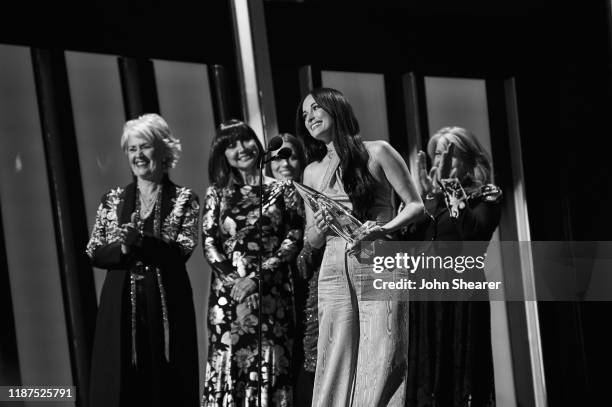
(129, 234)
(243, 287)
(446, 169)
(370, 232)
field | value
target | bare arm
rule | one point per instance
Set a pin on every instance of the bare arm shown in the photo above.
(396, 171)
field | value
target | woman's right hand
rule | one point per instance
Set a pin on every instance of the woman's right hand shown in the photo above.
(242, 288)
(428, 180)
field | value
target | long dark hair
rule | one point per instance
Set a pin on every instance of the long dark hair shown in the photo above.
(220, 173)
(356, 177)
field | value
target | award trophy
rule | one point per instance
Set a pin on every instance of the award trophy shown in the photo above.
(343, 223)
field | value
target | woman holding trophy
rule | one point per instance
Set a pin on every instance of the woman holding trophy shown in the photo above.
(362, 345)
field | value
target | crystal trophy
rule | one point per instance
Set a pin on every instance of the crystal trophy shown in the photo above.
(342, 224)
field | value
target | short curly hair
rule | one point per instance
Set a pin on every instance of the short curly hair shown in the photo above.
(152, 127)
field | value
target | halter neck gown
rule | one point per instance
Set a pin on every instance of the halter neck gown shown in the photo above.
(362, 345)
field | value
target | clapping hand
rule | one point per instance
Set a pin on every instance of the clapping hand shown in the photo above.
(425, 178)
(429, 179)
(129, 234)
(446, 169)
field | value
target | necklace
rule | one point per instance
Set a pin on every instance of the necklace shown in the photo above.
(144, 212)
(147, 204)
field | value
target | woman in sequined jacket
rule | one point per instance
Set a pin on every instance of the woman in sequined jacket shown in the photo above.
(450, 357)
(145, 348)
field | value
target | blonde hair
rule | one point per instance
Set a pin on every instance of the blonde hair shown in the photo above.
(468, 149)
(153, 128)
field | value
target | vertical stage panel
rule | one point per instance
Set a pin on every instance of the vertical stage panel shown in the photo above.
(458, 102)
(186, 104)
(28, 228)
(95, 90)
(9, 359)
(55, 109)
(366, 93)
(139, 97)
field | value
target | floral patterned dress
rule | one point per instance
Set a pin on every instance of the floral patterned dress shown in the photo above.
(231, 245)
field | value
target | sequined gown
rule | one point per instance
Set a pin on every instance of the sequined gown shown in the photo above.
(307, 322)
(145, 346)
(231, 245)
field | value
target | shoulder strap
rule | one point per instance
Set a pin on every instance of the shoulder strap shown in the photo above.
(332, 168)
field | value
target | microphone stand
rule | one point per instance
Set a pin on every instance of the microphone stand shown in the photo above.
(283, 153)
(259, 287)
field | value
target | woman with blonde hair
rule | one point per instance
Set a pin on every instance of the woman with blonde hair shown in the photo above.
(451, 361)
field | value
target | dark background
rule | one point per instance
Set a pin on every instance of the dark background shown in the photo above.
(559, 54)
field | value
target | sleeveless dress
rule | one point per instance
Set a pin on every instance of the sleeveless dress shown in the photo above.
(362, 345)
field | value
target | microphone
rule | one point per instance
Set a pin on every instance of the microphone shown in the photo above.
(274, 144)
(283, 153)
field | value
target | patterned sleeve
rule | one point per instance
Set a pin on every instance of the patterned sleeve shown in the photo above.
(291, 245)
(475, 220)
(179, 234)
(103, 247)
(98, 234)
(211, 243)
(187, 236)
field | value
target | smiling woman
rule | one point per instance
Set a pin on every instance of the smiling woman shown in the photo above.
(242, 154)
(362, 345)
(289, 168)
(450, 347)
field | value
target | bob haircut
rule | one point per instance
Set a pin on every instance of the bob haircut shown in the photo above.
(298, 150)
(467, 149)
(220, 173)
(153, 128)
(356, 177)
